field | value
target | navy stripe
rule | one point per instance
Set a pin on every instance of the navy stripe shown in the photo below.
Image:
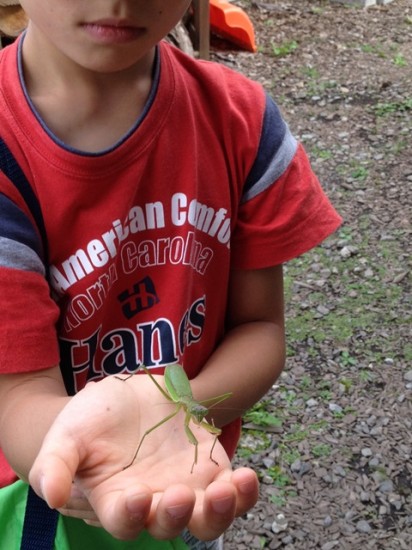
(276, 150)
(15, 174)
(16, 226)
(40, 524)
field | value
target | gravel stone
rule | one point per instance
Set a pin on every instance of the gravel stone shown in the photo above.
(363, 526)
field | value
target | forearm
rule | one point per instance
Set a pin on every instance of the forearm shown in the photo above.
(252, 354)
(247, 363)
(29, 403)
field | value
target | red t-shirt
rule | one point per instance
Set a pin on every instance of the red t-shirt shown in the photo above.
(136, 243)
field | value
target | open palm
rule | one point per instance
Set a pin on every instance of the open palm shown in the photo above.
(95, 437)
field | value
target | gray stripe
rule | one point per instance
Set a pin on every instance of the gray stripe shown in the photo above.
(16, 255)
(276, 168)
(196, 544)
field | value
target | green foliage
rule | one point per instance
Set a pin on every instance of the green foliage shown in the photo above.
(322, 449)
(288, 455)
(279, 477)
(262, 418)
(399, 60)
(365, 375)
(279, 499)
(284, 49)
(346, 359)
(323, 154)
(347, 383)
(359, 172)
(376, 49)
(388, 108)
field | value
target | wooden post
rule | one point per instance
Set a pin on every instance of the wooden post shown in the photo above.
(202, 26)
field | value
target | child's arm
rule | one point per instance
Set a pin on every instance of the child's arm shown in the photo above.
(29, 403)
(252, 354)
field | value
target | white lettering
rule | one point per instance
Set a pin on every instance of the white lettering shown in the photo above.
(201, 217)
(97, 253)
(179, 202)
(184, 249)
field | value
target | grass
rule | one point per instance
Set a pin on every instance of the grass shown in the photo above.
(392, 107)
(359, 302)
(283, 49)
(399, 60)
(315, 83)
(252, 442)
(324, 154)
(321, 450)
(383, 51)
(279, 477)
(376, 49)
(262, 418)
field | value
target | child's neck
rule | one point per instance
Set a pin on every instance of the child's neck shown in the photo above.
(86, 110)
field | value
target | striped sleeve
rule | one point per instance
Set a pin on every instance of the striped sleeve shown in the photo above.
(28, 339)
(20, 245)
(276, 150)
(284, 211)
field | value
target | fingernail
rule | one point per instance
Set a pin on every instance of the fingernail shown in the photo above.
(42, 485)
(247, 488)
(134, 506)
(136, 518)
(179, 511)
(223, 505)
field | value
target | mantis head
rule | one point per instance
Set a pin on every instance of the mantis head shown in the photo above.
(199, 412)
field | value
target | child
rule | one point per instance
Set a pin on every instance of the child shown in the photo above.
(147, 203)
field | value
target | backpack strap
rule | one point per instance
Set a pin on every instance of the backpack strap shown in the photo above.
(40, 524)
(15, 174)
(40, 521)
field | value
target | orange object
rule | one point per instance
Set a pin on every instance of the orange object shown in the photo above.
(232, 23)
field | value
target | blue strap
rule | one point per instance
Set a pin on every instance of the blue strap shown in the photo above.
(40, 521)
(40, 524)
(15, 174)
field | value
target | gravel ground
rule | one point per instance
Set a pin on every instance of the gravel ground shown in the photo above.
(332, 440)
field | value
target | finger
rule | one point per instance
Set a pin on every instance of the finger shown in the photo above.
(88, 515)
(79, 507)
(247, 486)
(123, 513)
(171, 514)
(214, 516)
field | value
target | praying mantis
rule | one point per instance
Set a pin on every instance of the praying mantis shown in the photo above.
(179, 392)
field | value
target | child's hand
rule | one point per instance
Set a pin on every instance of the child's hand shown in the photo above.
(95, 437)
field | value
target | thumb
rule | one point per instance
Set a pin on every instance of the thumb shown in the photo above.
(52, 473)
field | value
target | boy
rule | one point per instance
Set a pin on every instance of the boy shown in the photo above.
(147, 203)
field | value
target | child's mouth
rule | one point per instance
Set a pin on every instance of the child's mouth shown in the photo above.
(112, 31)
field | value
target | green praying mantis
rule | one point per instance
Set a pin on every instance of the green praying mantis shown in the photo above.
(179, 392)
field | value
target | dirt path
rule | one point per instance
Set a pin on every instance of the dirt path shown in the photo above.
(332, 442)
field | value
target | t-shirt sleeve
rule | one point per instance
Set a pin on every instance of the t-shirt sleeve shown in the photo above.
(28, 338)
(284, 211)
